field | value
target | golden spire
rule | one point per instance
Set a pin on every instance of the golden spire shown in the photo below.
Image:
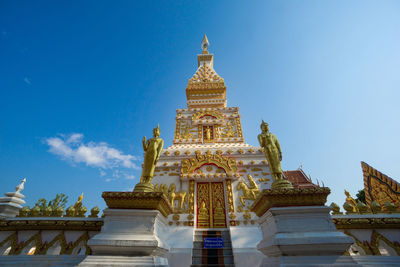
(206, 88)
(205, 44)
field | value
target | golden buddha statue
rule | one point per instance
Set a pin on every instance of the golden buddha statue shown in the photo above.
(219, 212)
(208, 133)
(203, 216)
(272, 149)
(203, 211)
(152, 149)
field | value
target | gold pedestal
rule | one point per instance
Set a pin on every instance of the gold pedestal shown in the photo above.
(286, 197)
(138, 200)
(281, 183)
(144, 187)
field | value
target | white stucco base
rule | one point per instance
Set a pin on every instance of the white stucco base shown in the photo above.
(180, 240)
(131, 232)
(348, 261)
(244, 246)
(301, 231)
(122, 261)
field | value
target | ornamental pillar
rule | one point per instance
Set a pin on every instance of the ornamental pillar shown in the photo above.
(133, 233)
(298, 229)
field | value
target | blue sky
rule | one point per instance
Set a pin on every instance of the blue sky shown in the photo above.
(81, 82)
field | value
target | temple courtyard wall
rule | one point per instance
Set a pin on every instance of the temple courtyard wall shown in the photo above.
(64, 242)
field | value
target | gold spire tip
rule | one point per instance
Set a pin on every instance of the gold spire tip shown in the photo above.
(205, 44)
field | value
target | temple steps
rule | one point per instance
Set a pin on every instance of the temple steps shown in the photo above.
(212, 256)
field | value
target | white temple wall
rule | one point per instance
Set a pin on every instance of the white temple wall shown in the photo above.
(48, 236)
(244, 245)
(180, 240)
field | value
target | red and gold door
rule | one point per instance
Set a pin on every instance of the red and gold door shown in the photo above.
(211, 205)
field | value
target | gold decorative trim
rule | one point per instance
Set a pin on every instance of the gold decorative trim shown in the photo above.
(366, 223)
(229, 193)
(19, 246)
(364, 245)
(191, 197)
(372, 247)
(43, 247)
(375, 243)
(199, 114)
(177, 129)
(284, 197)
(50, 224)
(189, 166)
(138, 200)
(239, 127)
(13, 242)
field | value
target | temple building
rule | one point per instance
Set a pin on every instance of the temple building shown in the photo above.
(209, 200)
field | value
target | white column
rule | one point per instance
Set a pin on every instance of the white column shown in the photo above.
(302, 235)
(133, 236)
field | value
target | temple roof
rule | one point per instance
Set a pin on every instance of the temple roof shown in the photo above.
(379, 187)
(299, 179)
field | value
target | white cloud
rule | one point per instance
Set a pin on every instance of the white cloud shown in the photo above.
(129, 176)
(101, 155)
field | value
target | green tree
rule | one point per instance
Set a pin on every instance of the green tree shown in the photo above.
(60, 200)
(361, 196)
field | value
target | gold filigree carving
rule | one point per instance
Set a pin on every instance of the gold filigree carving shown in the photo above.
(205, 78)
(379, 187)
(189, 166)
(229, 194)
(228, 130)
(211, 208)
(177, 129)
(191, 197)
(239, 127)
(249, 192)
(138, 200)
(268, 198)
(366, 223)
(200, 114)
(185, 132)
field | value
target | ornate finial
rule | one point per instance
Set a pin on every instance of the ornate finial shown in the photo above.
(263, 123)
(80, 197)
(205, 44)
(20, 187)
(157, 128)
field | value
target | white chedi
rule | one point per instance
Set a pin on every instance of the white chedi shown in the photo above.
(12, 202)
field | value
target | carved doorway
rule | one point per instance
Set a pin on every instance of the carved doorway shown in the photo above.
(211, 205)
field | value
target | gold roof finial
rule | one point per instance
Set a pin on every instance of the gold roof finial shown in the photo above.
(205, 44)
